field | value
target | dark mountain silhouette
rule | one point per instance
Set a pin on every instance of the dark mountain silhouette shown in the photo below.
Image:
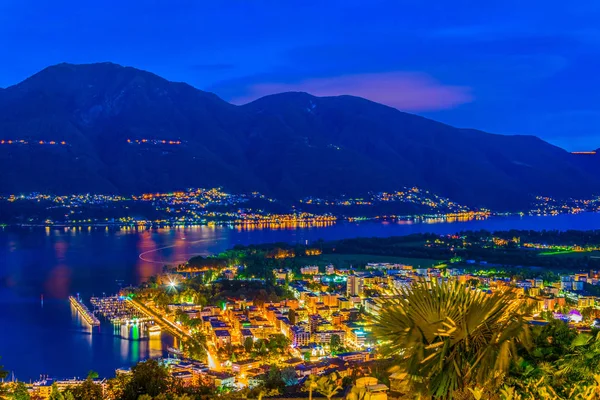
(289, 145)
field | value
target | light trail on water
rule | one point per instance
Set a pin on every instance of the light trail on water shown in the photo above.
(142, 255)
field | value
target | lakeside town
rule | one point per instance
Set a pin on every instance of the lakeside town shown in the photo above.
(266, 321)
(296, 200)
(255, 210)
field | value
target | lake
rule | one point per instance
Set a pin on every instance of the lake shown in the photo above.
(46, 337)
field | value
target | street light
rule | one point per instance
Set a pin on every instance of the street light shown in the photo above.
(172, 284)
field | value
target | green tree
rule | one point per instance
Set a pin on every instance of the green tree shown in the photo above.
(289, 376)
(583, 361)
(182, 317)
(115, 387)
(587, 313)
(88, 390)
(195, 346)
(147, 377)
(278, 343)
(273, 378)
(20, 392)
(292, 316)
(261, 346)
(55, 393)
(335, 342)
(248, 344)
(92, 375)
(307, 355)
(450, 336)
(552, 341)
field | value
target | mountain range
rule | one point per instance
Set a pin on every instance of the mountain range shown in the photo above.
(105, 128)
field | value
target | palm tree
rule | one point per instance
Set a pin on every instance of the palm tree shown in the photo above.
(450, 336)
(310, 384)
(582, 363)
(357, 393)
(328, 385)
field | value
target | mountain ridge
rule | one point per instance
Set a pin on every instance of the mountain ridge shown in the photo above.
(288, 145)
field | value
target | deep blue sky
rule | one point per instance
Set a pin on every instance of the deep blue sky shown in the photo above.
(526, 67)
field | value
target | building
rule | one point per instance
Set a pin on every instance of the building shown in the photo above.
(245, 334)
(387, 266)
(43, 388)
(310, 270)
(244, 366)
(585, 301)
(283, 274)
(221, 379)
(300, 336)
(324, 337)
(372, 388)
(314, 321)
(357, 337)
(354, 286)
(344, 303)
(538, 282)
(330, 299)
(566, 285)
(186, 378)
(222, 338)
(355, 356)
(372, 306)
(228, 274)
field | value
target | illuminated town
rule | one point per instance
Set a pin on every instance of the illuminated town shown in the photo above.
(255, 210)
(271, 318)
(299, 200)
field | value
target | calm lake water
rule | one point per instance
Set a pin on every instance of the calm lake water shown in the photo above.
(48, 338)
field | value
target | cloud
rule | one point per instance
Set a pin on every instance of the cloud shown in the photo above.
(408, 91)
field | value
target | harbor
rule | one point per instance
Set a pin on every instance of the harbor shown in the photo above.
(119, 311)
(85, 313)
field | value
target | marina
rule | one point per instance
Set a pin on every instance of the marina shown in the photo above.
(85, 313)
(119, 311)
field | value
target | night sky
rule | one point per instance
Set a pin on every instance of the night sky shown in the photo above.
(514, 67)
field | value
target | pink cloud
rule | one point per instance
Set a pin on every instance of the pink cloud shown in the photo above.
(407, 91)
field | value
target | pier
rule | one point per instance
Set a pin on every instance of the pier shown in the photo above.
(85, 313)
